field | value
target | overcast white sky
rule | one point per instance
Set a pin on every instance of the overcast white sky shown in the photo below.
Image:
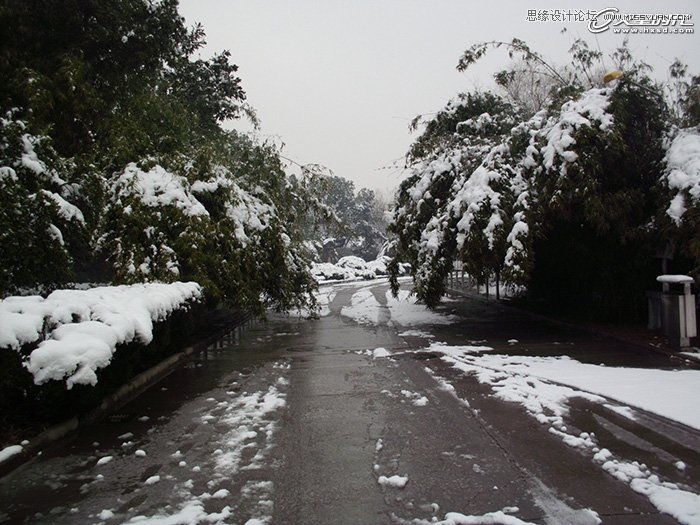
(338, 81)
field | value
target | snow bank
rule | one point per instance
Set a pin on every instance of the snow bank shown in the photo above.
(79, 330)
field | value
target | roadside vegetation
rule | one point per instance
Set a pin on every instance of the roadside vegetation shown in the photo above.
(115, 166)
(569, 187)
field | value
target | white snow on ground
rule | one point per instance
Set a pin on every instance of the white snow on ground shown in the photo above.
(415, 398)
(668, 498)
(380, 352)
(324, 297)
(248, 421)
(352, 268)
(455, 518)
(637, 387)
(82, 328)
(406, 311)
(394, 481)
(11, 451)
(105, 515)
(248, 416)
(104, 460)
(456, 351)
(192, 512)
(365, 309)
(152, 480)
(623, 411)
(417, 333)
(530, 381)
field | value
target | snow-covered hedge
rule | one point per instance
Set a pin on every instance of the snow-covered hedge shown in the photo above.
(351, 267)
(76, 332)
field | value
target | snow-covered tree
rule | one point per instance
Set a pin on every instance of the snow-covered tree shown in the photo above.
(564, 201)
(114, 164)
(355, 227)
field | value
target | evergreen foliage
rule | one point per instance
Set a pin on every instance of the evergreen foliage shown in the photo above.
(114, 165)
(570, 200)
(356, 216)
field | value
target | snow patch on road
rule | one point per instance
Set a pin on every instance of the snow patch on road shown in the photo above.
(191, 513)
(364, 307)
(324, 297)
(403, 310)
(455, 518)
(529, 381)
(104, 461)
(248, 416)
(246, 423)
(417, 399)
(407, 312)
(380, 352)
(394, 481)
(416, 333)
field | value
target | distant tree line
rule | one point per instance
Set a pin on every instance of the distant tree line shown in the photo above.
(358, 225)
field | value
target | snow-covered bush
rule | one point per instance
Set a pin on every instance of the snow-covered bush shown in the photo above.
(74, 333)
(114, 165)
(220, 219)
(354, 268)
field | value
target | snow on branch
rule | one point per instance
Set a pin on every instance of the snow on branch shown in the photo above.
(158, 187)
(558, 134)
(682, 174)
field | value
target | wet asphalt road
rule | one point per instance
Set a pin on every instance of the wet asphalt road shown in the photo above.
(290, 421)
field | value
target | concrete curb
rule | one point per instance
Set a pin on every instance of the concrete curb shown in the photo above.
(127, 392)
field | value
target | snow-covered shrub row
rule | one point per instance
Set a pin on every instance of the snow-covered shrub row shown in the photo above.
(75, 332)
(581, 180)
(352, 268)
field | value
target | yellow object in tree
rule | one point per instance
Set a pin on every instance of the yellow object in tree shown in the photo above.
(613, 75)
